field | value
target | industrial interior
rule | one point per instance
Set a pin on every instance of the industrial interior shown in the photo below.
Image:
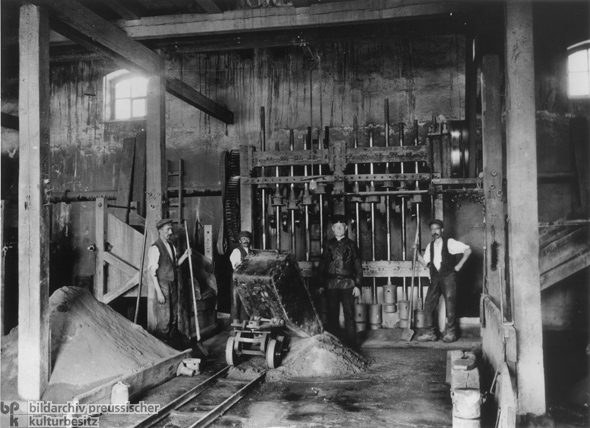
(187, 123)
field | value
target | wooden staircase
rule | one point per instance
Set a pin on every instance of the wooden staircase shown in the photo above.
(564, 249)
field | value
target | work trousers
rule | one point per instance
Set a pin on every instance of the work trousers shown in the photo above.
(166, 314)
(335, 297)
(447, 286)
(237, 308)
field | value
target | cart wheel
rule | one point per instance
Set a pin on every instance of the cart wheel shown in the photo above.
(231, 356)
(273, 354)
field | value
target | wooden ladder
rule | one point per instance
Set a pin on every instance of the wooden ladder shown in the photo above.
(176, 188)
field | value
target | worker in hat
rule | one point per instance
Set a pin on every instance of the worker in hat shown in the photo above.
(341, 274)
(439, 258)
(163, 263)
(236, 257)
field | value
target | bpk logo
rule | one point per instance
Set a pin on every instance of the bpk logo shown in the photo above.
(10, 408)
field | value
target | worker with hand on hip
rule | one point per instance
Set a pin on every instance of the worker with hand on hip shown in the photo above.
(341, 274)
(439, 258)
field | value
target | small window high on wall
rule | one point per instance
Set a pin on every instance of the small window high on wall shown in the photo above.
(578, 67)
(125, 96)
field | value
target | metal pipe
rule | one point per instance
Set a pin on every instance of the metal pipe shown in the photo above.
(278, 202)
(403, 211)
(293, 199)
(373, 236)
(263, 190)
(306, 200)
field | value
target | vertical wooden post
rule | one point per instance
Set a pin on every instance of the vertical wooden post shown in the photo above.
(100, 220)
(155, 172)
(495, 241)
(33, 223)
(3, 270)
(471, 105)
(523, 232)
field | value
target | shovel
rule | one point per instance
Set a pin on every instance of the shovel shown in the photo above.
(408, 333)
(199, 346)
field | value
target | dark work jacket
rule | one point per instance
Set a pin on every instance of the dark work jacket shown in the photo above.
(166, 266)
(447, 264)
(341, 260)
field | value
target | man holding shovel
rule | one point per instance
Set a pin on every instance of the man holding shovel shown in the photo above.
(439, 258)
(163, 262)
(236, 258)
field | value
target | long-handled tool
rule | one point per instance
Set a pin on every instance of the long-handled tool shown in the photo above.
(200, 346)
(408, 333)
(145, 233)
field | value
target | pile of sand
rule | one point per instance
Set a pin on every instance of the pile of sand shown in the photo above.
(322, 355)
(90, 345)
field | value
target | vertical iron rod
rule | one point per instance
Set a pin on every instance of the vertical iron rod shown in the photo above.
(403, 211)
(373, 237)
(293, 198)
(263, 149)
(278, 219)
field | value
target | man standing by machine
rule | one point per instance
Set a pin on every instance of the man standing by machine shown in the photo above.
(439, 258)
(163, 263)
(341, 274)
(236, 258)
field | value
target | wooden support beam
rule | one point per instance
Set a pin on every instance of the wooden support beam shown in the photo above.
(126, 10)
(120, 264)
(285, 18)
(493, 161)
(470, 107)
(523, 233)
(125, 180)
(33, 220)
(209, 6)
(84, 27)
(155, 173)
(139, 165)
(100, 213)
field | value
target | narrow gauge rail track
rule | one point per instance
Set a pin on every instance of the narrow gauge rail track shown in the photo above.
(193, 409)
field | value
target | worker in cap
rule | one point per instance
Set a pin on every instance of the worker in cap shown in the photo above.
(439, 257)
(340, 279)
(236, 257)
(163, 263)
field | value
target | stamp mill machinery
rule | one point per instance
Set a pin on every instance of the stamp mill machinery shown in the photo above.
(383, 178)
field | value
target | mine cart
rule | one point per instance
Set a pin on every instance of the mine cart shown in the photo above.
(275, 296)
(257, 336)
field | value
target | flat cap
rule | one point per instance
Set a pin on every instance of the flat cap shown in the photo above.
(163, 223)
(339, 219)
(438, 222)
(245, 234)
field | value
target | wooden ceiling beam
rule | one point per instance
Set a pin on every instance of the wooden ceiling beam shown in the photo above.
(84, 27)
(285, 18)
(125, 10)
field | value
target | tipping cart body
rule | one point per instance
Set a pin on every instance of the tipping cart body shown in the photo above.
(270, 285)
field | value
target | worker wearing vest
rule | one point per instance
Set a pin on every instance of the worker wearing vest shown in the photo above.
(438, 257)
(236, 258)
(163, 263)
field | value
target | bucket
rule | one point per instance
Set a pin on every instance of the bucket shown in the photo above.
(420, 319)
(120, 393)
